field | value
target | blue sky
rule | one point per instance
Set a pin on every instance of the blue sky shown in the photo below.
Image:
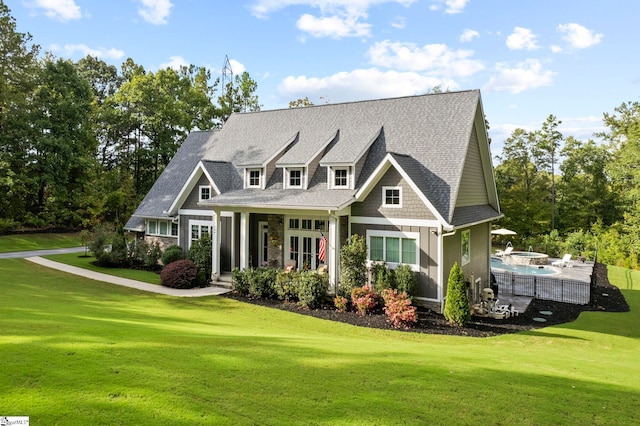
(530, 58)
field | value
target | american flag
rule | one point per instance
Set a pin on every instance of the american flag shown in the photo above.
(322, 250)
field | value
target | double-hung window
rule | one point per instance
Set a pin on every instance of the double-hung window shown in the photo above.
(253, 177)
(295, 178)
(340, 178)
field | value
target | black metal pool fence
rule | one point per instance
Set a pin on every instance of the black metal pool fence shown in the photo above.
(543, 287)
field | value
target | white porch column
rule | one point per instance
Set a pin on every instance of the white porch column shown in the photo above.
(332, 253)
(244, 240)
(216, 240)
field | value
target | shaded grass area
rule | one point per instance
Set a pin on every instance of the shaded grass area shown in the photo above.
(81, 261)
(26, 242)
(76, 351)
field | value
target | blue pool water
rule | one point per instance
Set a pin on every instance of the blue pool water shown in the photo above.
(496, 263)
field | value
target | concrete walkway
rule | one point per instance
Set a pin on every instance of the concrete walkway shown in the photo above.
(31, 253)
(98, 276)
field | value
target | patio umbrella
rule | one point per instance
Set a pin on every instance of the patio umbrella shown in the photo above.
(503, 231)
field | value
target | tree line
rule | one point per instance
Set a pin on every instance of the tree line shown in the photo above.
(82, 142)
(564, 194)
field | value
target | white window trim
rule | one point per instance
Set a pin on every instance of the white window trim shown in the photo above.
(384, 197)
(157, 232)
(200, 223)
(464, 261)
(287, 177)
(248, 178)
(394, 234)
(332, 177)
(200, 188)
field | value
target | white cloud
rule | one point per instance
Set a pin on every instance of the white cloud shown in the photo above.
(262, 8)
(175, 62)
(70, 50)
(521, 38)
(337, 18)
(469, 35)
(556, 49)
(155, 12)
(451, 6)
(399, 22)
(237, 67)
(333, 26)
(62, 10)
(525, 75)
(437, 59)
(361, 84)
(578, 36)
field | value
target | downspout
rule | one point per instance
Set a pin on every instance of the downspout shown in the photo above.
(441, 261)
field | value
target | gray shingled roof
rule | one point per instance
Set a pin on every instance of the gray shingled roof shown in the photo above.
(428, 135)
(225, 175)
(164, 191)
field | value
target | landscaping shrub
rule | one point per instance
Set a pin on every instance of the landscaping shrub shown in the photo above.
(171, 254)
(398, 307)
(312, 289)
(382, 276)
(340, 303)
(152, 256)
(456, 308)
(239, 281)
(364, 299)
(353, 265)
(406, 280)
(286, 285)
(119, 251)
(179, 274)
(261, 282)
(200, 253)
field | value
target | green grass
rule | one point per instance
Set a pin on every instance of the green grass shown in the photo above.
(76, 352)
(78, 259)
(25, 242)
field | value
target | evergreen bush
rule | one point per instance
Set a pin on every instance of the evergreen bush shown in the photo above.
(171, 254)
(456, 308)
(353, 265)
(406, 280)
(312, 289)
(383, 277)
(200, 253)
(239, 281)
(286, 285)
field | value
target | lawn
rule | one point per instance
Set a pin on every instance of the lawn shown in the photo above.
(77, 352)
(25, 242)
(79, 260)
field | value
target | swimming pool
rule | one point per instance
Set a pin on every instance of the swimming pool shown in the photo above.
(496, 263)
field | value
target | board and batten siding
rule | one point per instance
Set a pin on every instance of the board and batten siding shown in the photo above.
(427, 277)
(412, 205)
(478, 266)
(473, 189)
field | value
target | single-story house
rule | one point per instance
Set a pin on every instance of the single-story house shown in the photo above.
(412, 174)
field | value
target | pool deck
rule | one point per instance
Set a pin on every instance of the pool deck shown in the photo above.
(580, 271)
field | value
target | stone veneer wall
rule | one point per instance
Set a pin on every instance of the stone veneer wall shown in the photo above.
(276, 231)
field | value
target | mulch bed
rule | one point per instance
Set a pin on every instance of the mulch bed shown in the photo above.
(606, 297)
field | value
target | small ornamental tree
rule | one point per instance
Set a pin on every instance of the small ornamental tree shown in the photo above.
(456, 308)
(353, 265)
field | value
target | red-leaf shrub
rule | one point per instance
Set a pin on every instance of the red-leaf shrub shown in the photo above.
(398, 308)
(364, 299)
(179, 274)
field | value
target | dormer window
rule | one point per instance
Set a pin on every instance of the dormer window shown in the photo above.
(341, 178)
(205, 192)
(391, 196)
(295, 178)
(253, 178)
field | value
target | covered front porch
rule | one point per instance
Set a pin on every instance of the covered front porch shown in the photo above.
(272, 238)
